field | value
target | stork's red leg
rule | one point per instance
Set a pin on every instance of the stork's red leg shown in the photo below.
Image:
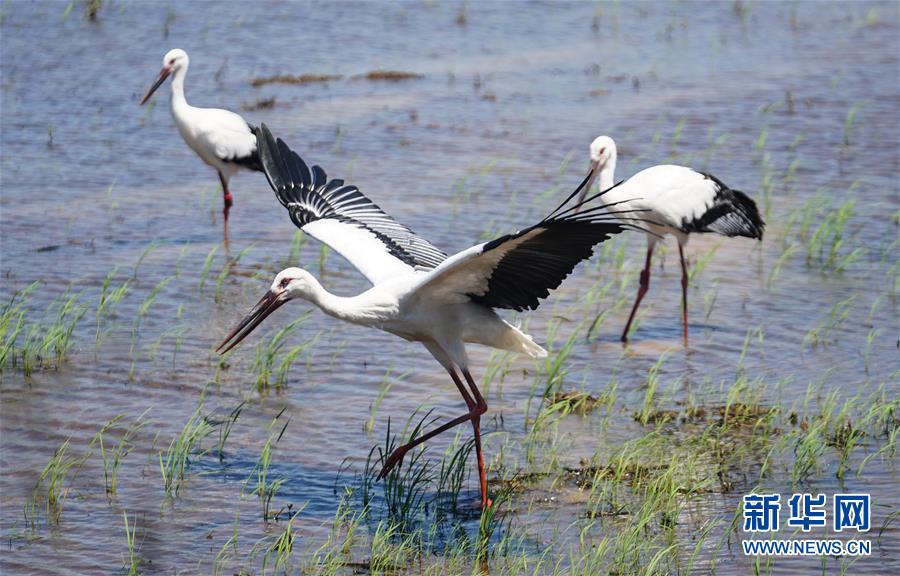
(684, 289)
(475, 411)
(645, 284)
(476, 428)
(227, 200)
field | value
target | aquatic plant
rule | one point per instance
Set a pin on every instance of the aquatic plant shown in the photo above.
(451, 475)
(226, 270)
(110, 298)
(207, 265)
(271, 364)
(848, 122)
(12, 321)
(404, 488)
(132, 562)
(112, 454)
(282, 547)
(175, 460)
(324, 251)
(296, 244)
(42, 343)
(224, 428)
(264, 488)
(382, 392)
(54, 485)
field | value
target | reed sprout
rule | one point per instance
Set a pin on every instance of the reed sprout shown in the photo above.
(279, 552)
(53, 486)
(43, 343)
(265, 489)
(112, 453)
(226, 270)
(110, 298)
(132, 562)
(175, 461)
(224, 428)
(272, 364)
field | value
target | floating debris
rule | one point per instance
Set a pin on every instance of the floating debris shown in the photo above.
(261, 104)
(580, 402)
(300, 79)
(388, 75)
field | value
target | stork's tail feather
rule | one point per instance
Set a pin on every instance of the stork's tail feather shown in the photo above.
(251, 162)
(734, 214)
(515, 340)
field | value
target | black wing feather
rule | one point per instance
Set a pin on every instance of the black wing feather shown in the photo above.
(538, 265)
(732, 213)
(517, 271)
(527, 273)
(309, 196)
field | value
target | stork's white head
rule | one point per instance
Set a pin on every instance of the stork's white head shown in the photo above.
(174, 62)
(603, 164)
(293, 283)
(290, 283)
(175, 59)
(603, 152)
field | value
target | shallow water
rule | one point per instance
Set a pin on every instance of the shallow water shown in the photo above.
(487, 141)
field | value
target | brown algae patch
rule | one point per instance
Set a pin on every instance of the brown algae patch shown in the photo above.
(736, 414)
(261, 104)
(388, 76)
(298, 79)
(578, 402)
(519, 482)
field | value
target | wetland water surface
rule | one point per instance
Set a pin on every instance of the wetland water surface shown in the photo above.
(794, 103)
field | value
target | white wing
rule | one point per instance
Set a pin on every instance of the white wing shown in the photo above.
(227, 136)
(342, 217)
(690, 201)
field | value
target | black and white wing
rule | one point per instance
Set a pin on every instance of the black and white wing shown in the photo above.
(342, 217)
(516, 271)
(690, 201)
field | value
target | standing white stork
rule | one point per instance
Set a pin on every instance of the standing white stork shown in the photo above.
(673, 200)
(418, 292)
(220, 138)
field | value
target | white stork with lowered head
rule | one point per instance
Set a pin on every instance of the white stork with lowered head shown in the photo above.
(418, 293)
(219, 137)
(673, 200)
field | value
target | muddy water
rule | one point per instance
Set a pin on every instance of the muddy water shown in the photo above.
(491, 135)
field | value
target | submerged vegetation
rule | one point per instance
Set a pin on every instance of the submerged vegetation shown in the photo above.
(32, 344)
(120, 420)
(654, 501)
(53, 486)
(175, 460)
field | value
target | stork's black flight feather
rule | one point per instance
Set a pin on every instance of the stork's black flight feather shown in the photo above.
(309, 196)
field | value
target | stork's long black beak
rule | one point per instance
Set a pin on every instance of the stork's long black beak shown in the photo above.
(266, 305)
(163, 74)
(593, 169)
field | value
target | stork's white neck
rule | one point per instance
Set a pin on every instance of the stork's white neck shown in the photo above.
(354, 309)
(178, 100)
(608, 174)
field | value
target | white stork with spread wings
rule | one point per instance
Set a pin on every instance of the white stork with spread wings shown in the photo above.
(418, 292)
